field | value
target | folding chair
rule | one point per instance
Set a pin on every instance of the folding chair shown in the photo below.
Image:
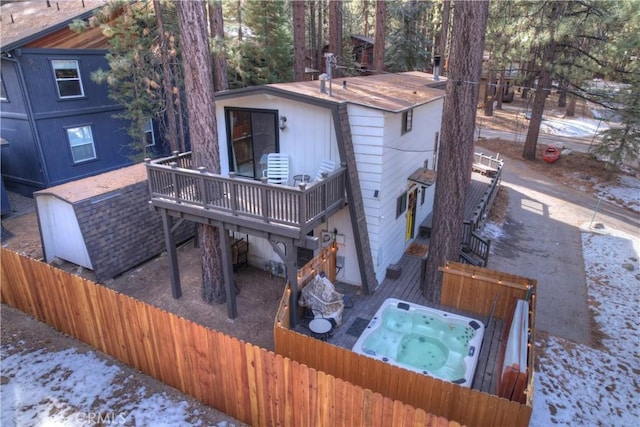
(277, 171)
(327, 166)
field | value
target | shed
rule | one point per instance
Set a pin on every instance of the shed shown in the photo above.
(103, 222)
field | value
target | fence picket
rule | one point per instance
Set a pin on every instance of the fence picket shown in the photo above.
(249, 383)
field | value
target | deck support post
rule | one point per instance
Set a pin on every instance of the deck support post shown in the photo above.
(172, 256)
(227, 270)
(291, 267)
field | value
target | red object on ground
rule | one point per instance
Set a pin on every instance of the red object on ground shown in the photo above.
(551, 154)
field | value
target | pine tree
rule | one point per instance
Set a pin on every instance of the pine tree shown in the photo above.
(265, 53)
(199, 88)
(135, 75)
(408, 44)
(457, 143)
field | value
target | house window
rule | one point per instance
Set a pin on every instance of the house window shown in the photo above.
(81, 143)
(3, 93)
(251, 135)
(423, 194)
(149, 134)
(407, 119)
(401, 204)
(67, 74)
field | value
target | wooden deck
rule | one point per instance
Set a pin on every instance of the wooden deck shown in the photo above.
(479, 184)
(407, 288)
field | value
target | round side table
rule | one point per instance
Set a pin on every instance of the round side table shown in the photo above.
(321, 328)
(299, 179)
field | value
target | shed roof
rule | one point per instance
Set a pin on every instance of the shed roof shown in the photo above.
(387, 92)
(25, 21)
(97, 186)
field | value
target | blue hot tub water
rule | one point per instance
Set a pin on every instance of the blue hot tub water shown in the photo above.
(434, 344)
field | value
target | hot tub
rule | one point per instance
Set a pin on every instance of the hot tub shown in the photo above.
(425, 340)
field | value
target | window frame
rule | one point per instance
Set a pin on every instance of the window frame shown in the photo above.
(259, 158)
(67, 79)
(3, 91)
(150, 130)
(407, 121)
(69, 129)
(401, 204)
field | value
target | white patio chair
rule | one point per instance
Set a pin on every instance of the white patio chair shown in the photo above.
(327, 166)
(277, 171)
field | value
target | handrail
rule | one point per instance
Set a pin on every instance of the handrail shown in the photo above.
(281, 204)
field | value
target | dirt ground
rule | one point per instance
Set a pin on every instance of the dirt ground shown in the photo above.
(259, 293)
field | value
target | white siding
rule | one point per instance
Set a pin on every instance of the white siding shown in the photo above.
(384, 164)
(384, 158)
(308, 139)
(367, 132)
(61, 235)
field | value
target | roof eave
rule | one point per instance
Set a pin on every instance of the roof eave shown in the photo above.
(296, 96)
(49, 30)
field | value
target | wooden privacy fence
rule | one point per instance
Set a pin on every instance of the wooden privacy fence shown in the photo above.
(463, 288)
(249, 383)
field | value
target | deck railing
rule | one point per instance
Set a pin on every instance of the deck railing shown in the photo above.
(173, 179)
(472, 243)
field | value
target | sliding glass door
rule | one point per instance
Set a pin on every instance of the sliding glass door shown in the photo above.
(251, 134)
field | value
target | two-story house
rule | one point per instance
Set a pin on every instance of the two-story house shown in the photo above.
(375, 132)
(57, 124)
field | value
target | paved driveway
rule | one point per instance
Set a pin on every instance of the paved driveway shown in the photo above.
(542, 240)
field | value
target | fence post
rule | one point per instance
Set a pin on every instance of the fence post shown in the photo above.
(264, 200)
(233, 192)
(302, 203)
(174, 181)
(202, 188)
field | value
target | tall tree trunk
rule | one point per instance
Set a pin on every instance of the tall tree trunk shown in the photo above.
(320, 38)
(179, 97)
(239, 20)
(219, 57)
(442, 46)
(335, 32)
(378, 44)
(456, 149)
(490, 91)
(312, 34)
(571, 107)
(500, 90)
(167, 80)
(529, 73)
(537, 109)
(365, 17)
(298, 40)
(192, 20)
(562, 95)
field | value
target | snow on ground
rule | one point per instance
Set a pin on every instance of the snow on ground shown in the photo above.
(579, 127)
(71, 388)
(626, 192)
(577, 384)
(588, 386)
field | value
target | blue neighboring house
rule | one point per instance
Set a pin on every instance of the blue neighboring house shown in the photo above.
(57, 124)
